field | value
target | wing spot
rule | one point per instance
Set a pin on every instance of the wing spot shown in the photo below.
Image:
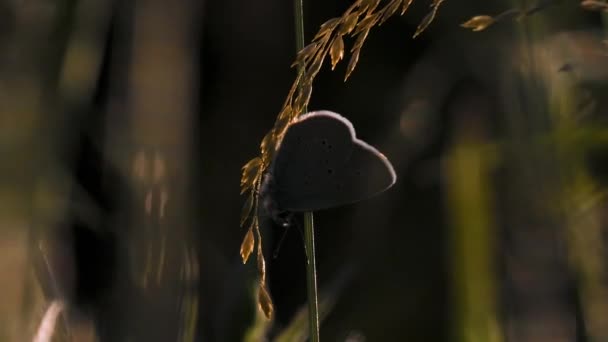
(323, 142)
(330, 171)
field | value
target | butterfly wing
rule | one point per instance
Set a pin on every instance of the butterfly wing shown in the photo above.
(321, 164)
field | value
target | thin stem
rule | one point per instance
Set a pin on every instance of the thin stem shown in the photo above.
(309, 231)
(311, 276)
(299, 23)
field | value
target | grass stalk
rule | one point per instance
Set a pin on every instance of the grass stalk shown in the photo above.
(311, 276)
(309, 236)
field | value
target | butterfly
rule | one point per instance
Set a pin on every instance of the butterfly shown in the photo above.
(321, 164)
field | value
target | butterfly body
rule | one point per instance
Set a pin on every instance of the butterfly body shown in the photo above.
(321, 164)
(281, 216)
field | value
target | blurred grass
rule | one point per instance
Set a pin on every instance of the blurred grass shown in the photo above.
(537, 237)
(473, 243)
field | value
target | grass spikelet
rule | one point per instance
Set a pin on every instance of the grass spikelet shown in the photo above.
(428, 19)
(247, 208)
(406, 5)
(336, 51)
(265, 302)
(247, 245)
(356, 22)
(478, 22)
(481, 22)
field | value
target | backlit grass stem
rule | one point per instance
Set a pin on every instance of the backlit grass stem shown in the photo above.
(309, 231)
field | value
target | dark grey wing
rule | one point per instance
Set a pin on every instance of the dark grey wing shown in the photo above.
(320, 164)
(312, 148)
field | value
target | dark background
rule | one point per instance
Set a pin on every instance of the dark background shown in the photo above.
(480, 239)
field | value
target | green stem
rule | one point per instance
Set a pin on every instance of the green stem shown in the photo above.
(309, 230)
(311, 276)
(299, 23)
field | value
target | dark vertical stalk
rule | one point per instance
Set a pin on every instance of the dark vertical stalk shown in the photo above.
(309, 236)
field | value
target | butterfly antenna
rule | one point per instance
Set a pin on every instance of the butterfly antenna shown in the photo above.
(275, 254)
(298, 225)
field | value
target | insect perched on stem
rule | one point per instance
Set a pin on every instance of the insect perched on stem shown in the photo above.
(321, 164)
